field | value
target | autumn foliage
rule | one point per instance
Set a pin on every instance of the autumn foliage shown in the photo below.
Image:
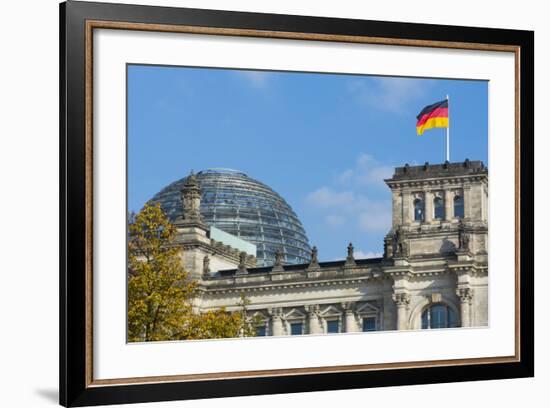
(160, 293)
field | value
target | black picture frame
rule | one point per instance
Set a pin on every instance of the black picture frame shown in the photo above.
(76, 387)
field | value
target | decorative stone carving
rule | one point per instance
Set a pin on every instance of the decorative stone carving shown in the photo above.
(402, 300)
(465, 295)
(241, 270)
(206, 266)
(314, 263)
(350, 260)
(278, 265)
(463, 238)
(388, 247)
(400, 245)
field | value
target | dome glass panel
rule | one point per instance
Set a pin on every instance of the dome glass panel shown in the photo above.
(246, 208)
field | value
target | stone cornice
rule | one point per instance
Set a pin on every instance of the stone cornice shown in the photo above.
(469, 267)
(450, 182)
(282, 285)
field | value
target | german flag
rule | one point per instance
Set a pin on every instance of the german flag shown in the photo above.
(433, 116)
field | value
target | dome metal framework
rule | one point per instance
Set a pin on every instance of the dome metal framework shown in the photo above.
(246, 208)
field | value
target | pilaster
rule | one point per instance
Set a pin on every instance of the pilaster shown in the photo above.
(402, 301)
(313, 319)
(428, 206)
(277, 322)
(465, 295)
(449, 213)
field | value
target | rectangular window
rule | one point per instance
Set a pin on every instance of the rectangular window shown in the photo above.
(439, 208)
(418, 209)
(296, 329)
(333, 326)
(260, 330)
(369, 324)
(459, 206)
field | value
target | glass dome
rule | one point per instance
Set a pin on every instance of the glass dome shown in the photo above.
(246, 208)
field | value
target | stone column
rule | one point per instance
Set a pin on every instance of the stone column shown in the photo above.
(349, 320)
(402, 301)
(449, 211)
(397, 208)
(351, 324)
(277, 323)
(313, 320)
(465, 296)
(467, 203)
(406, 208)
(428, 206)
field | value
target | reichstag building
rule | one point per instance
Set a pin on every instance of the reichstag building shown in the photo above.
(238, 236)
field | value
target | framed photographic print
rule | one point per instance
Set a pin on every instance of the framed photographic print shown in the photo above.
(256, 203)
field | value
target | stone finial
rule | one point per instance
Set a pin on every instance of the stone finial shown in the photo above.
(191, 199)
(350, 260)
(279, 258)
(206, 265)
(278, 265)
(241, 270)
(314, 253)
(314, 263)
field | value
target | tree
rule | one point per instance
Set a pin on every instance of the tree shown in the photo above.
(160, 292)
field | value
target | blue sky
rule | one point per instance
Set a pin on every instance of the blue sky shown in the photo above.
(324, 142)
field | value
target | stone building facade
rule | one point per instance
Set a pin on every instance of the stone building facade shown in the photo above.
(433, 274)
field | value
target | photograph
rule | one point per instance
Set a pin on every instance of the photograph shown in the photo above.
(283, 203)
(257, 203)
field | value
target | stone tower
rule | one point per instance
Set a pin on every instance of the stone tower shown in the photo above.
(439, 229)
(438, 209)
(191, 199)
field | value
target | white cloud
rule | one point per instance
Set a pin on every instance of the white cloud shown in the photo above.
(258, 79)
(326, 197)
(358, 254)
(367, 171)
(351, 202)
(378, 220)
(345, 176)
(389, 94)
(369, 215)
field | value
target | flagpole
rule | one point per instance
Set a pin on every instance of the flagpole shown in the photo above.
(448, 126)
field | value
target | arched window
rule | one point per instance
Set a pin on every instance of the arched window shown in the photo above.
(418, 210)
(459, 206)
(439, 316)
(439, 208)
